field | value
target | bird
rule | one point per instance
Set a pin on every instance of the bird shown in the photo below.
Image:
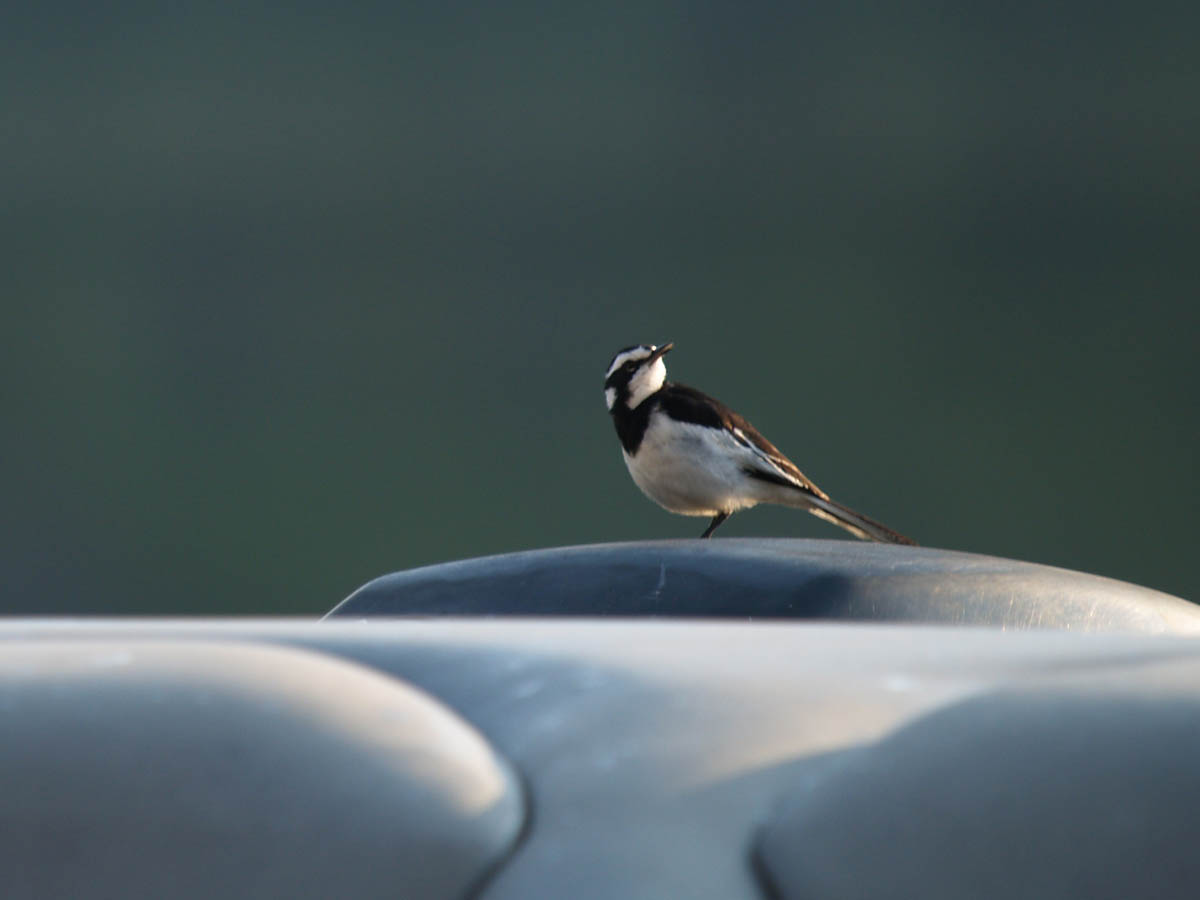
(694, 456)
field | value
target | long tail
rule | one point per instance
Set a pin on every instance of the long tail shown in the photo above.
(854, 522)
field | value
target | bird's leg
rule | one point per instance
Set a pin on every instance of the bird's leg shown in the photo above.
(712, 526)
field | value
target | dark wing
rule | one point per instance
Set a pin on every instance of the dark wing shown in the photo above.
(690, 405)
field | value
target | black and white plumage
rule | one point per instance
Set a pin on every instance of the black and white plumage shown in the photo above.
(694, 456)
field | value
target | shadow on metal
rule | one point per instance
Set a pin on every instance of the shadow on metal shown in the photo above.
(774, 579)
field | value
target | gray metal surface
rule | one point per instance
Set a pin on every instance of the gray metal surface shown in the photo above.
(775, 578)
(1081, 787)
(177, 768)
(655, 753)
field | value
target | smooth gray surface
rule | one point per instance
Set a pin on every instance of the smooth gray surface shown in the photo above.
(1059, 790)
(775, 578)
(173, 768)
(653, 751)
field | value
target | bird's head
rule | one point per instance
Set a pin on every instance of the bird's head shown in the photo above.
(634, 374)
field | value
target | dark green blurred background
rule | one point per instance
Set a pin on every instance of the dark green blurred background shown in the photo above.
(293, 298)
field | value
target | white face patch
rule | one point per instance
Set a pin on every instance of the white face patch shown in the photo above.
(610, 397)
(646, 381)
(621, 358)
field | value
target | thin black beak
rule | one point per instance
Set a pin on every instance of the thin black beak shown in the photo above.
(660, 352)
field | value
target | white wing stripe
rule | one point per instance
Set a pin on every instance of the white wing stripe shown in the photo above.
(765, 460)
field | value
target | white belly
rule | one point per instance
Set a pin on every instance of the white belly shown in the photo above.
(682, 469)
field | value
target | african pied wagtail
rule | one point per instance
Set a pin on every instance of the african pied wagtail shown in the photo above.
(693, 455)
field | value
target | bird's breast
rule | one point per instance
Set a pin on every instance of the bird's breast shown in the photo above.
(688, 468)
